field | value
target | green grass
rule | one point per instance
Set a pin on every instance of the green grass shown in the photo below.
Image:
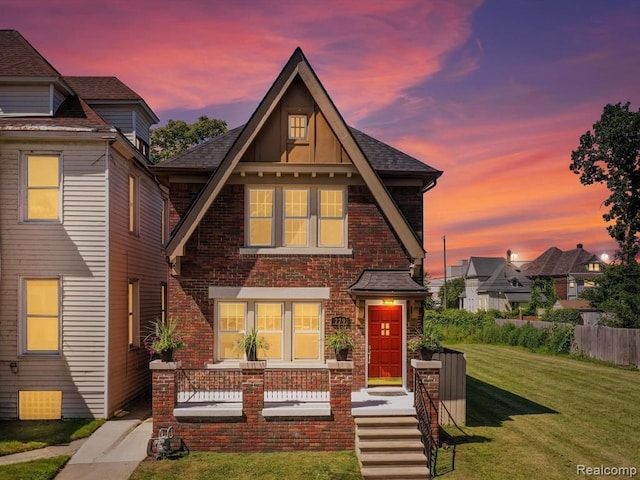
(254, 466)
(539, 416)
(44, 469)
(22, 435)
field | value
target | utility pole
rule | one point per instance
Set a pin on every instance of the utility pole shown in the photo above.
(444, 286)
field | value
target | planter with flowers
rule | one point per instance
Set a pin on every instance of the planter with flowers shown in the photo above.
(340, 342)
(164, 340)
(426, 343)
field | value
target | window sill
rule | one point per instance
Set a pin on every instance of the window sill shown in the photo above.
(296, 251)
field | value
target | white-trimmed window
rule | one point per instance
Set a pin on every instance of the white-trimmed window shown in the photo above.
(41, 315)
(42, 188)
(293, 329)
(297, 127)
(133, 313)
(163, 303)
(296, 216)
(133, 204)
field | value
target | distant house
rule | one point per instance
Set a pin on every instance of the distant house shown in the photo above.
(590, 315)
(571, 271)
(493, 283)
(83, 268)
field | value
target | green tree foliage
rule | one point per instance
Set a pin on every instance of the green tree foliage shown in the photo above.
(455, 287)
(611, 155)
(543, 295)
(177, 136)
(565, 315)
(617, 291)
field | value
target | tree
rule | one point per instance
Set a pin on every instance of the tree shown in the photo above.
(455, 287)
(177, 135)
(611, 155)
(617, 291)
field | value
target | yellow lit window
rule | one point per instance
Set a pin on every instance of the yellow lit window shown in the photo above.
(269, 325)
(296, 217)
(261, 217)
(43, 187)
(331, 219)
(163, 303)
(42, 315)
(231, 325)
(297, 127)
(594, 267)
(133, 204)
(133, 314)
(40, 405)
(306, 331)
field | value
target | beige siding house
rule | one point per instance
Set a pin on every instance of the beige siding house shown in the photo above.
(82, 269)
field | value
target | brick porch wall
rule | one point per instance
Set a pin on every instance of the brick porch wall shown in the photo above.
(253, 432)
(212, 258)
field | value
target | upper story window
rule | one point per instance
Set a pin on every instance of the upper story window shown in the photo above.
(133, 205)
(142, 146)
(594, 267)
(297, 127)
(41, 315)
(296, 217)
(42, 188)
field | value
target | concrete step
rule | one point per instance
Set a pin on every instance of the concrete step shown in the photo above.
(389, 433)
(407, 446)
(395, 473)
(392, 458)
(385, 422)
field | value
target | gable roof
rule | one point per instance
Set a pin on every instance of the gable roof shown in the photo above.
(506, 279)
(386, 160)
(483, 267)
(555, 262)
(386, 282)
(18, 58)
(296, 67)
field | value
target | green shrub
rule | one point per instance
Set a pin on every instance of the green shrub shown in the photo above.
(532, 337)
(567, 315)
(560, 338)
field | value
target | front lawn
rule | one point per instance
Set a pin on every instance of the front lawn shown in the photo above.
(43, 469)
(541, 416)
(254, 466)
(22, 435)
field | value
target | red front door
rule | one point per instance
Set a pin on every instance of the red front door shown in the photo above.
(385, 345)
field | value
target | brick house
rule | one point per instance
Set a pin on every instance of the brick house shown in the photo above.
(82, 252)
(296, 224)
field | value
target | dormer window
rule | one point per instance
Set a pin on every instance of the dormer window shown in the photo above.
(594, 267)
(297, 127)
(142, 146)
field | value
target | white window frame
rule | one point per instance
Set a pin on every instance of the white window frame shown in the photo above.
(288, 337)
(23, 317)
(313, 228)
(24, 185)
(133, 204)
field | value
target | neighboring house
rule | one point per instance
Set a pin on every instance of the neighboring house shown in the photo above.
(571, 271)
(494, 283)
(83, 268)
(296, 224)
(453, 271)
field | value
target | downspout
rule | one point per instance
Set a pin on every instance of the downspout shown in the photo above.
(107, 310)
(420, 261)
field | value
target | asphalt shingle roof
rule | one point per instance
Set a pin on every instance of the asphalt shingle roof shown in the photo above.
(208, 155)
(382, 281)
(18, 58)
(102, 88)
(555, 262)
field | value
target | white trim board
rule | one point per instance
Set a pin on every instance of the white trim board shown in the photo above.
(257, 293)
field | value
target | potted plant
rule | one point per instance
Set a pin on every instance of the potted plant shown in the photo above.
(164, 340)
(250, 343)
(426, 343)
(340, 342)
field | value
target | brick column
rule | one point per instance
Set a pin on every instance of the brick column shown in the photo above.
(253, 389)
(429, 373)
(340, 385)
(164, 393)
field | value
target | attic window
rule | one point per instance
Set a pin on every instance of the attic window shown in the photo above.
(297, 127)
(594, 267)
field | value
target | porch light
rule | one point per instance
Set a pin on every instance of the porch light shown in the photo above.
(388, 302)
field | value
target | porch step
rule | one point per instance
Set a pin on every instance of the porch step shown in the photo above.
(395, 473)
(390, 448)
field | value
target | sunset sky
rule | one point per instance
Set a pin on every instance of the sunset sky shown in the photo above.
(496, 93)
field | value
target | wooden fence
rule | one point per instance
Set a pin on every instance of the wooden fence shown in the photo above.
(616, 345)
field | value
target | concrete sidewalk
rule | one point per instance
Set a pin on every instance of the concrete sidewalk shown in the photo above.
(113, 452)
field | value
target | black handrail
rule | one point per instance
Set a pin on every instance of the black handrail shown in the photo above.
(424, 415)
